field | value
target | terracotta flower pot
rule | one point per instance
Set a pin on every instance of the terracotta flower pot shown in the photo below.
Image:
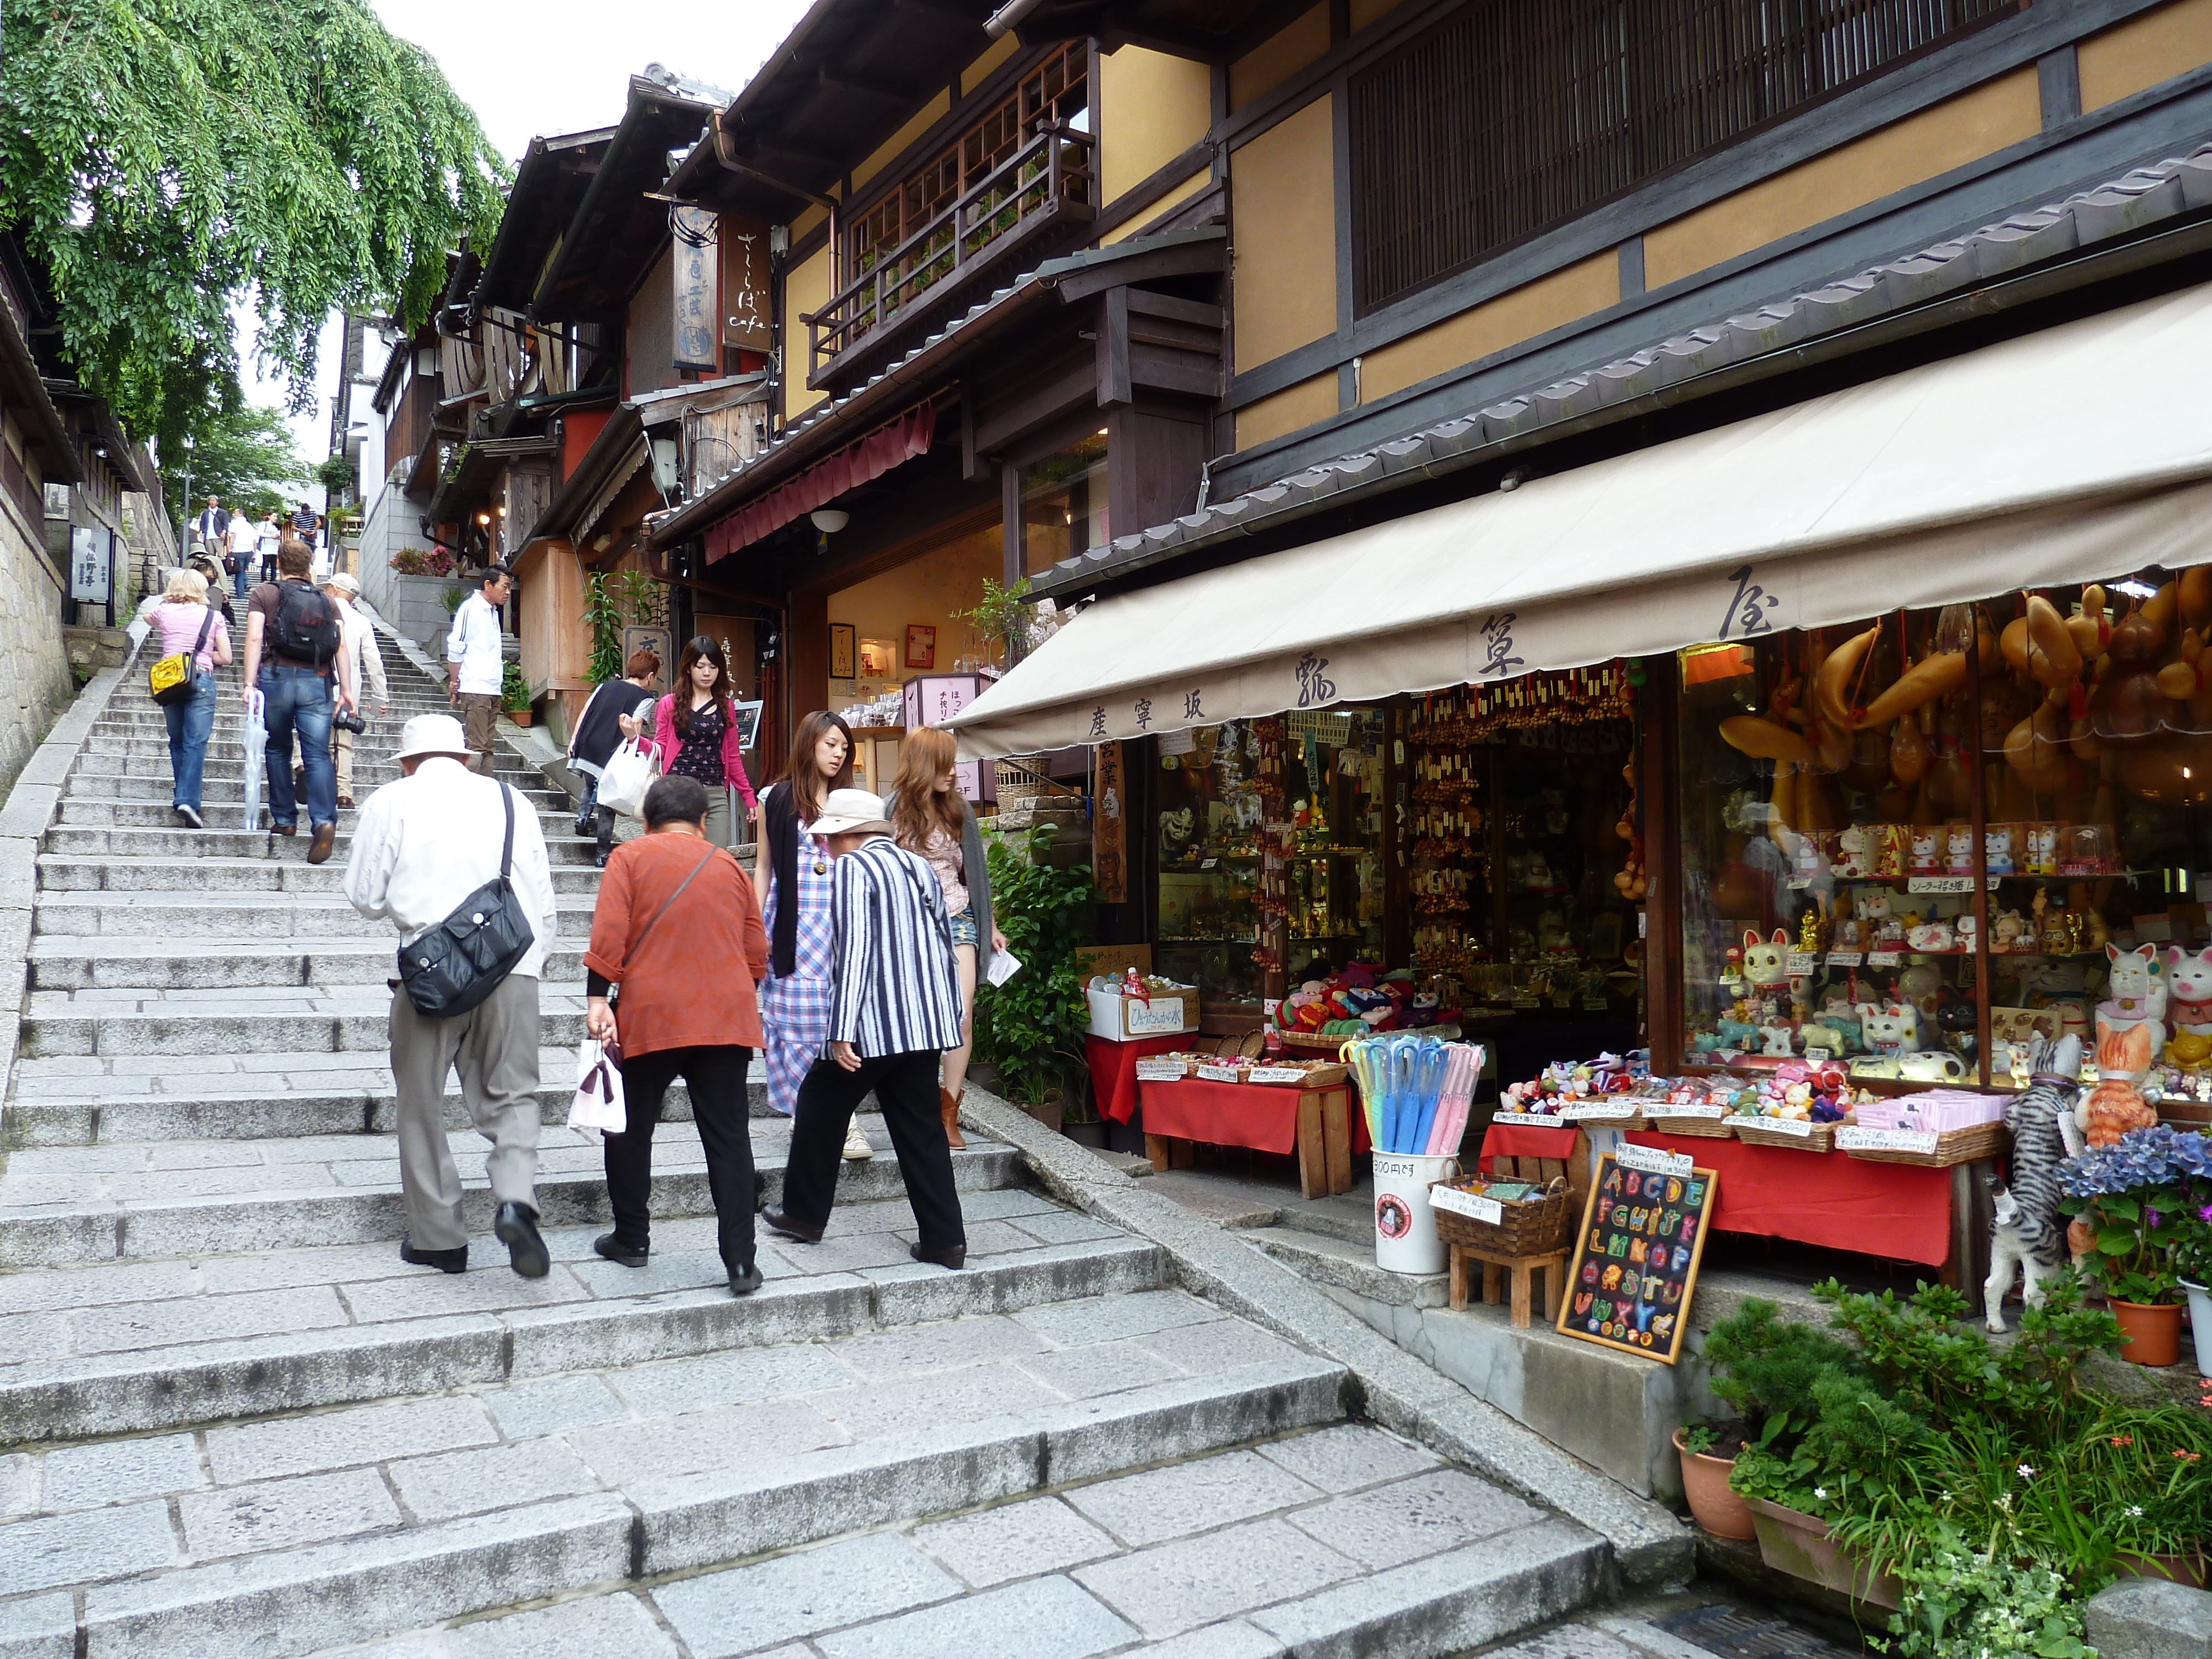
(2152, 1331)
(520, 716)
(2180, 1569)
(1718, 1507)
(1798, 1544)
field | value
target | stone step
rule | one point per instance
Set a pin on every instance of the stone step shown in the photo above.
(291, 1539)
(370, 766)
(61, 962)
(166, 876)
(1341, 1540)
(344, 1189)
(131, 1348)
(170, 841)
(141, 719)
(243, 917)
(74, 1102)
(79, 812)
(345, 1019)
(220, 792)
(1335, 1263)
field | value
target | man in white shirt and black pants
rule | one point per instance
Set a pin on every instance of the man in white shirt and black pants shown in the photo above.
(422, 845)
(475, 665)
(894, 1009)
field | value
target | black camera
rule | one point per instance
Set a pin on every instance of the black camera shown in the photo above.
(352, 723)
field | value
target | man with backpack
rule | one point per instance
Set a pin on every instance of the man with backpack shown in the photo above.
(294, 644)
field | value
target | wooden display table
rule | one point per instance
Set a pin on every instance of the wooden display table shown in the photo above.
(1318, 1124)
(1553, 1264)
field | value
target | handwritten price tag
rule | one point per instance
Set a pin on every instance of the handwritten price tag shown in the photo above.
(1530, 1120)
(1934, 885)
(1843, 958)
(1856, 1140)
(1659, 1109)
(1277, 1074)
(1881, 959)
(1220, 1074)
(1800, 1128)
(1802, 963)
(1159, 1071)
(1471, 1204)
(1591, 1109)
(1652, 1161)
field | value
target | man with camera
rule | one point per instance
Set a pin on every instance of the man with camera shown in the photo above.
(365, 658)
(295, 649)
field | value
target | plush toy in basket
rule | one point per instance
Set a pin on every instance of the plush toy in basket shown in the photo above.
(1503, 1218)
(1361, 1000)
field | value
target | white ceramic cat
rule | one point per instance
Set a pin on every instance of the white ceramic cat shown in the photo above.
(1959, 853)
(1923, 853)
(1764, 962)
(2043, 850)
(1891, 1029)
(1871, 903)
(1778, 1041)
(2135, 992)
(1996, 852)
(1931, 936)
(1855, 849)
(2189, 989)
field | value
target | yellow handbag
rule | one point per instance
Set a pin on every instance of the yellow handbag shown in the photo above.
(172, 678)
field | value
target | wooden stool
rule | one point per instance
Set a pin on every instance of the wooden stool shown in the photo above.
(1552, 1263)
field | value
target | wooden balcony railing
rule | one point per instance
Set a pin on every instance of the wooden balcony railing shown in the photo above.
(1048, 179)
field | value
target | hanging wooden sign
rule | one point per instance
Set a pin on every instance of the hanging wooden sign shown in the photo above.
(1110, 861)
(1634, 1267)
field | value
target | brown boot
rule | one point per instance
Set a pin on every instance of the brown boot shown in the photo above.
(950, 1102)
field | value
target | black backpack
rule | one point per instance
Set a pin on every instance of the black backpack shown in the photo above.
(305, 626)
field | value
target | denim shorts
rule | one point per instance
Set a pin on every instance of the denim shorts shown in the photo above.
(964, 928)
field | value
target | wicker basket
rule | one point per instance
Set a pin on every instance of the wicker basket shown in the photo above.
(1757, 1132)
(1700, 1128)
(1629, 1117)
(1967, 1146)
(1019, 783)
(1313, 1044)
(1535, 1227)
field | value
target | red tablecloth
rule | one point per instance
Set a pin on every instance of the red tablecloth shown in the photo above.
(1254, 1115)
(1114, 1069)
(1518, 1140)
(1901, 1210)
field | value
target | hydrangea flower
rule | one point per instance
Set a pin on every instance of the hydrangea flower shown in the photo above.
(2161, 1156)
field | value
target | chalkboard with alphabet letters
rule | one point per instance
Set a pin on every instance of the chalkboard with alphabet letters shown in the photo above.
(1634, 1267)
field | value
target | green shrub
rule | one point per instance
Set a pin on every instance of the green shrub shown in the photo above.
(1031, 1028)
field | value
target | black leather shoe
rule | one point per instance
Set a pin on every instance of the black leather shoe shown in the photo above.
(954, 1257)
(745, 1280)
(516, 1226)
(600, 860)
(447, 1262)
(610, 1247)
(783, 1223)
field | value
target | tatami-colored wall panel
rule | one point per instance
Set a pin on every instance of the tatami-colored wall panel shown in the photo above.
(2143, 52)
(1521, 314)
(1961, 130)
(1278, 57)
(1182, 192)
(1288, 411)
(1283, 226)
(1152, 107)
(1365, 12)
(805, 289)
(992, 55)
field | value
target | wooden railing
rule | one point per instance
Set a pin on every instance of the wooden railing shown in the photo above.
(1043, 180)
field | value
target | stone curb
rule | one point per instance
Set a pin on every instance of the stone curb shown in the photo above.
(1651, 1544)
(30, 810)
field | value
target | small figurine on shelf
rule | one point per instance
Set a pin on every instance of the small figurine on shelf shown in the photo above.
(1854, 852)
(1778, 1041)
(1808, 933)
(2189, 990)
(2115, 1105)
(1933, 937)
(2008, 932)
(1959, 851)
(1997, 844)
(1764, 961)
(2135, 996)
(1926, 859)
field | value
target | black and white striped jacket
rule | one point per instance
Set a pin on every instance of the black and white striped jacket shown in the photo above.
(893, 989)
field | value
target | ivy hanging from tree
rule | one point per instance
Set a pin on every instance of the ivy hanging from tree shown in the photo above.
(163, 161)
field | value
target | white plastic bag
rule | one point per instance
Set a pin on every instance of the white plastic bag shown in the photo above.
(598, 1105)
(625, 778)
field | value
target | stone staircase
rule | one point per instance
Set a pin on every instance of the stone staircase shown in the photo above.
(231, 1422)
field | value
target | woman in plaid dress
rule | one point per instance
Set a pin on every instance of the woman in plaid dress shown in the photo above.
(795, 997)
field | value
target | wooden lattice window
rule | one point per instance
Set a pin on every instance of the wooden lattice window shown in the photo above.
(1507, 117)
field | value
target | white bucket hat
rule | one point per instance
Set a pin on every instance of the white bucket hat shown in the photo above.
(432, 734)
(850, 812)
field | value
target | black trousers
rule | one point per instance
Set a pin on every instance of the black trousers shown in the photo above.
(906, 1088)
(716, 1078)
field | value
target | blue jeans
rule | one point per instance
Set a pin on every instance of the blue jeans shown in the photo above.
(243, 581)
(299, 700)
(190, 722)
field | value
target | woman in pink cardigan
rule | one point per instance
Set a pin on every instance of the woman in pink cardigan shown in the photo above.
(700, 740)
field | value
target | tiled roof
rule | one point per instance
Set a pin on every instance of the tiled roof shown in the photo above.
(2141, 200)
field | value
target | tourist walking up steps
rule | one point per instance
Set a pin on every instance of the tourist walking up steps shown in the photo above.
(791, 872)
(476, 664)
(185, 621)
(694, 733)
(931, 817)
(423, 844)
(894, 1009)
(365, 661)
(619, 709)
(295, 647)
(677, 948)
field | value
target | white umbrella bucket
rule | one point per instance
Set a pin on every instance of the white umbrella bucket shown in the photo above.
(1405, 1239)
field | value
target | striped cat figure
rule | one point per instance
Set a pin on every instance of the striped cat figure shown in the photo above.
(2029, 1235)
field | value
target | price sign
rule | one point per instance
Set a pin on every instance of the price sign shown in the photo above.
(1159, 1071)
(1220, 1074)
(1634, 1266)
(1656, 1109)
(1596, 1005)
(1802, 963)
(1940, 884)
(1817, 1056)
(1651, 1160)
(1857, 1140)
(1589, 1108)
(1532, 1121)
(1881, 958)
(1799, 1126)
(1843, 958)
(1528, 1002)
(1473, 1204)
(1277, 1074)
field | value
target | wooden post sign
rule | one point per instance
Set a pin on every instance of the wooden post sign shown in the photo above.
(1634, 1265)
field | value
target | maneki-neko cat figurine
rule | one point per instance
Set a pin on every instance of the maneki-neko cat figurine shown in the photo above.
(2115, 1105)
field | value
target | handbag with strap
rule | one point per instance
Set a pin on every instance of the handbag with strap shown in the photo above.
(631, 955)
(450, 968)
(173, 679)
(625, 778)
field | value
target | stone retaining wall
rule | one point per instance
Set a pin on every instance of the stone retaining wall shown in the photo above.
(35, 682)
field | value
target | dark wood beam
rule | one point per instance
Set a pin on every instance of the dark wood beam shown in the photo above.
(855, 86)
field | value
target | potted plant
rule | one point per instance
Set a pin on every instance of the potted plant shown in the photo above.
(514, 694)
(2134, 1198)
(1709, 1452)
(1001, 614)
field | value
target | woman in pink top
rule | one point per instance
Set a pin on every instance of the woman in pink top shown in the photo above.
(182, 622)
(695, 732)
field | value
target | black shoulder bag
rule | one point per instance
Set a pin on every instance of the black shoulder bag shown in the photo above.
(455, 965)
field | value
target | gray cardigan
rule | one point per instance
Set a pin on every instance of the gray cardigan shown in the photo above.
(976, 871)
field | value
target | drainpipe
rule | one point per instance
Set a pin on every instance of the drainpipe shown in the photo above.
(1009, 16)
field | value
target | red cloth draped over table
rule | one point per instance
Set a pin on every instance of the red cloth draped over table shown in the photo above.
(1901, 1211)
(1114, 1071)
(1503, 1139)
(1256, 1115)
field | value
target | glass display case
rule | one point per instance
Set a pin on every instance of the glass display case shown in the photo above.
(1916, 843)
(1207, 829)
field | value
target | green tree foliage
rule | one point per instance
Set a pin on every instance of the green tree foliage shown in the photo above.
(243, 455)
(165, 160)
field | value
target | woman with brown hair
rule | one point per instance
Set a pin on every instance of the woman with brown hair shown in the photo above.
(929, 816)
(695, 734)
(792, 875)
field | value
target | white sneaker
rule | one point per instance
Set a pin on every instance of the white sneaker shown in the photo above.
(856, 1145)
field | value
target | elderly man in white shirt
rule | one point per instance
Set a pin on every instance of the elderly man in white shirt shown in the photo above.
(422, 845)
(475, 665)
(242, 541)
(360, 635)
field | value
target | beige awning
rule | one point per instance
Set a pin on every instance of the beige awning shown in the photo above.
(2080, 453)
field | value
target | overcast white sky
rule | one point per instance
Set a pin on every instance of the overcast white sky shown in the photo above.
(546, 66)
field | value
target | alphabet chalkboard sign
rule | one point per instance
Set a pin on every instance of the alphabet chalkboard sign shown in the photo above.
(1634, 1264)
